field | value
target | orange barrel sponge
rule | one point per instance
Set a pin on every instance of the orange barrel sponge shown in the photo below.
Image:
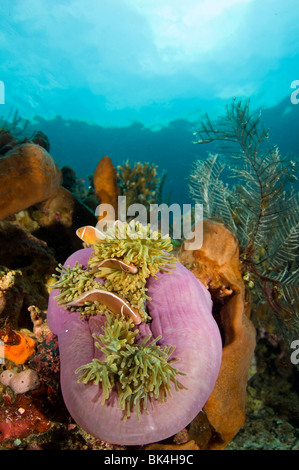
(105, 183)
(217, 265)
(28, 175)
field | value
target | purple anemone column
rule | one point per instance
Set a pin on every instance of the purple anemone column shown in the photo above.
(181, 312)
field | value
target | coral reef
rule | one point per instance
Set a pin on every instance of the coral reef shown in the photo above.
(272, 414)
(217, 265)
(12, 131)
(18, 347)
(39, 138)
(18, 191)
(14, 125)
(46, 359)
(7, 141)
(77, 186)
(262, 212)
(58, 218)
(20, 382)
(21, 418)
(11, 296)
(26, 270)
(187, 446)
(40, 327)
(57, 209)
(32, 195)
(140, 183)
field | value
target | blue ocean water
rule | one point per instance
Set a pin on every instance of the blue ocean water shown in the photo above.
(131, 79)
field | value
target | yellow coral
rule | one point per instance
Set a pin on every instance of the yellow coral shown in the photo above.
(139, 184)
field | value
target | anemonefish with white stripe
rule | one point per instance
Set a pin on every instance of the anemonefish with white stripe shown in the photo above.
(90, 235)
(114, 302)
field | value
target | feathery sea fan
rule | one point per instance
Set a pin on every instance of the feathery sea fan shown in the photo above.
(262, 208)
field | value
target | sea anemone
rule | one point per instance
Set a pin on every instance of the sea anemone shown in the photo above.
(134, 244)
(182, 329)
(141, 372)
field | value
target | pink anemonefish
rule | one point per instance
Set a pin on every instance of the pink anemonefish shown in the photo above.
(90, 235)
